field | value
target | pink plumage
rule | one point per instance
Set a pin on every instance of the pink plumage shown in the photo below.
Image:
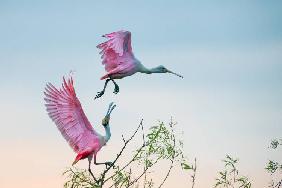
(65, 110)
(119, 60)
(117, 54)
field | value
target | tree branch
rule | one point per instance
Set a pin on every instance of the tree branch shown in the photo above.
(119, 154)
(194, 173)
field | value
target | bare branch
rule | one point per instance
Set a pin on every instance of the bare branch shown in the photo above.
(194, 173)
(142, 174)
(171, 166)
(119, 154)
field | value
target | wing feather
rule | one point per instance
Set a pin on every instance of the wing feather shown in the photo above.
(65, 110)
(115, 49)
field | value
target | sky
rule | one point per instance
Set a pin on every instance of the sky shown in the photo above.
(229, 101)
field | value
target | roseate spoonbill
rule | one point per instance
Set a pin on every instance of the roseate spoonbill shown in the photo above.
(65, 110)
(119, 60)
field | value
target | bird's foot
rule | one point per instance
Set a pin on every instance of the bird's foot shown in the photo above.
(99, 94)
(116, 89)
(108, 164)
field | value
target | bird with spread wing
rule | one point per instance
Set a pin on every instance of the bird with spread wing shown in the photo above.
(119, 60)
(65, 110)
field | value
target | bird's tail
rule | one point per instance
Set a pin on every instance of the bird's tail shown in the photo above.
(77, 158)
(104, 77)
(81, 155)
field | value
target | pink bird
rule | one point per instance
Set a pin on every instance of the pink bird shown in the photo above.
(119, 60)
(65, 110)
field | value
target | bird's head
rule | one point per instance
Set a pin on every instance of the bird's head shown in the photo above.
(105, 123)
(162, 69)
(106, 119)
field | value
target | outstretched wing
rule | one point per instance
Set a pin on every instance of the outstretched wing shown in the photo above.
(114, 50)
(65, 110)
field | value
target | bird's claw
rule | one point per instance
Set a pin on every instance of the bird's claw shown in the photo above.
(98, 181)
(116, 89)
(108, 164)
(99, 94)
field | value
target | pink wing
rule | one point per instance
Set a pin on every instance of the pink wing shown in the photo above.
(65, 110)
(115, 49)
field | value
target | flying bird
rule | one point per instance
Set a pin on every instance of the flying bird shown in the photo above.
(119, 60)
(65, 110)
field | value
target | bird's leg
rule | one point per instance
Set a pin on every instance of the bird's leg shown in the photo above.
(99, 94)
(89, 169)
(116, 87)
(105, 163)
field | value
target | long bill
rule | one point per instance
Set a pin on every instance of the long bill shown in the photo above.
(110, 109)
(175, 73)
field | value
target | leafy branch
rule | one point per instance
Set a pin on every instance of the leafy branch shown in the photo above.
(274, 168)
(230, 177)
(159, 144)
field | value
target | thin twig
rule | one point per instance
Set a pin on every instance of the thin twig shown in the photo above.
(134, 157)
(145, 178)
(194, 173)
(167, 174)
(142, 174)
(173, 156)
(129, 177)
(119, 154)
(82, 179)
(143, 134)
(279, 184)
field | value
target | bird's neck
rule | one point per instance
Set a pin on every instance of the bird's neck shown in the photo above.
(108, 133)
(155, 70)
(146, 70)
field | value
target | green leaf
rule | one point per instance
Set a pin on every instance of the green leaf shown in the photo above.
(185, 166)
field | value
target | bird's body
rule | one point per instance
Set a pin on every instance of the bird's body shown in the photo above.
(124, 70)
(65, 110)
(120, 61)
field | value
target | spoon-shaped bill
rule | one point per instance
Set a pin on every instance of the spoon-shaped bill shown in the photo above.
(110, 109)
(106, 119)
(175, 73)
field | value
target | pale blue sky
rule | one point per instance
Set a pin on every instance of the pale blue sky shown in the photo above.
(228, 102)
